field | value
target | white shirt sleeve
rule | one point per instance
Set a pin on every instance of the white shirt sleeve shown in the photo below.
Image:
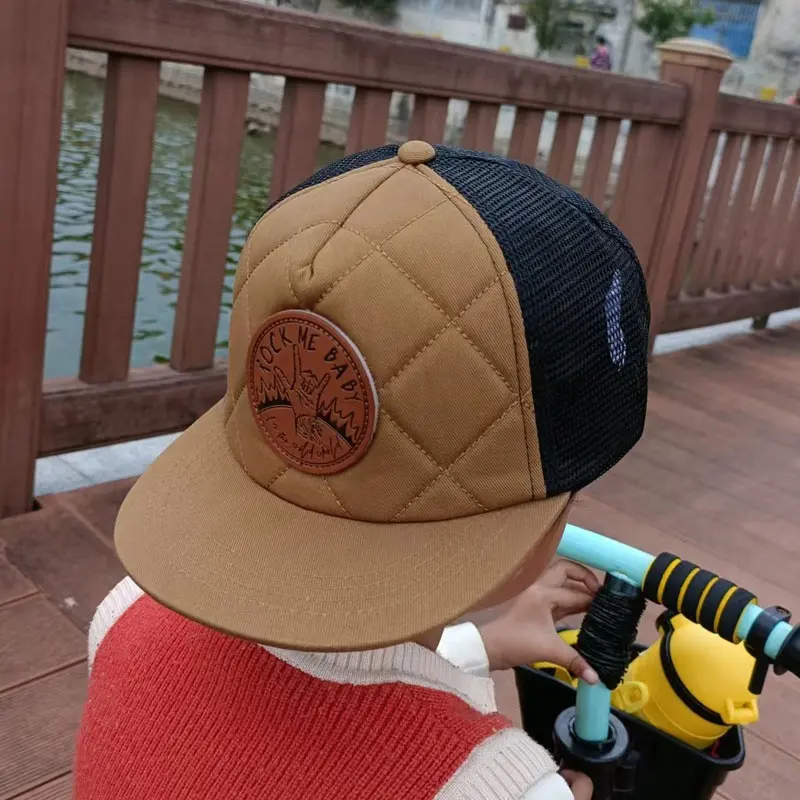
(463, 647)
(551, 787)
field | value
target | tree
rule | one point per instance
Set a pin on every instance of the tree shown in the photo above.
(547, 17)
(378, 10)
(663, 20)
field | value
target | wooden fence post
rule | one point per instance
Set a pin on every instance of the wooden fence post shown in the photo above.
(699, 66)
(33, 41)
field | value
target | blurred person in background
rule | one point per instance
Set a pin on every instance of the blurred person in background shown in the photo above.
(601, 57)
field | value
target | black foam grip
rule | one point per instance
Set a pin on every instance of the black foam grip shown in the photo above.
(712, 602)
(732, 613)
(654, 575)
(691, 599)
(789, 655)
(675, 582)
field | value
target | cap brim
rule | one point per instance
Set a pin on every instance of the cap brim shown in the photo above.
(204, 539)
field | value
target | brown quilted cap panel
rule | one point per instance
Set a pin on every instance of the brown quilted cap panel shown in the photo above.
(401, 263)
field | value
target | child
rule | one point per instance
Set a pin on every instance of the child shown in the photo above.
(431, 351)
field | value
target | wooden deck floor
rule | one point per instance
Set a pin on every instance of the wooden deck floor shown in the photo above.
(716, 479)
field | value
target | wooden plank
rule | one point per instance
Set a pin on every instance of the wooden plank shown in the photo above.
(729, 433)
(428, 119)
(790, 267)
(480, 126)
(767, 415)
(756, 117)
(524, 144)
(768, 772)
(215, 175)
(39, 724)
(672, 418)
(369, 119)
(33, 39)
(64, 557)
(565, 147)
(59, 789)
(715, 480)
(97, 505)
(13, 584)
(36, 640)
(126, 149)
(763, 216)
(759, 475)
(254, 38)
(690, 239)
(780, 228)
(640, 193)
(717, 212)
(152, 401)
(727, 275)
(297, 140)
(761, 213)
(598, 165)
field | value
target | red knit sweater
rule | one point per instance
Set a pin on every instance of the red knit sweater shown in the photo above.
(178, 711)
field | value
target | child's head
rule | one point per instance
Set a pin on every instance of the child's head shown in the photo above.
(431, 351)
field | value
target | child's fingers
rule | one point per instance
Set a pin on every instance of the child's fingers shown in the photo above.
(559, 652)
(564, 602)
(562, 571)
(579, 784)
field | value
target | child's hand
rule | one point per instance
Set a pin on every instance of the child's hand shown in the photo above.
(523, 630)
(580, 785)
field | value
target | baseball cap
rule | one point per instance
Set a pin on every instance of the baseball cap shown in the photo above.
(431, 350)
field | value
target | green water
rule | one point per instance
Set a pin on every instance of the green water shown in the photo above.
(167, 207)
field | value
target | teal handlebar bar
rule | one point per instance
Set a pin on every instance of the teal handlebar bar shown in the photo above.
(630, 564)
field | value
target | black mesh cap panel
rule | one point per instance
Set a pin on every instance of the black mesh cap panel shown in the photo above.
(336, 168)
(584, 306)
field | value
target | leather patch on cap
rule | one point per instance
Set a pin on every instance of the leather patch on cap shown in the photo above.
(311, 392)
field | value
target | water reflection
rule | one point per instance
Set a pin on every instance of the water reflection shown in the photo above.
(167, 207)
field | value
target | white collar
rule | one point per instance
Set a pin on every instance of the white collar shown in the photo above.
(404, 663)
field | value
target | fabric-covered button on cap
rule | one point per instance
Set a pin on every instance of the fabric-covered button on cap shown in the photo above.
(416, 152)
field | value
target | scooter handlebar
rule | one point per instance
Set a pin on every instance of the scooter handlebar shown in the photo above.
(788, 657)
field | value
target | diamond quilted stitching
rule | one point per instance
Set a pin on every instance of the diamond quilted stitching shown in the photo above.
(274, 282)
(260, 461)
(384, 314)
(423, 262)
(442, 499)
(486, 322)
(394, 204)
(446, 397)
(426, 461)
(345, 250)
(333, 202)
(392, 472)
(308, 491)
(495, 468)
(267, 291)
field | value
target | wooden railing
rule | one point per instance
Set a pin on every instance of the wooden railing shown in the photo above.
(740, 257)
(656, 194)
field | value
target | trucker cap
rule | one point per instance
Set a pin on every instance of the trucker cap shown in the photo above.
(431, 350)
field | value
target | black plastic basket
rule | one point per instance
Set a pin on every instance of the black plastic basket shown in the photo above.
(667, 768)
